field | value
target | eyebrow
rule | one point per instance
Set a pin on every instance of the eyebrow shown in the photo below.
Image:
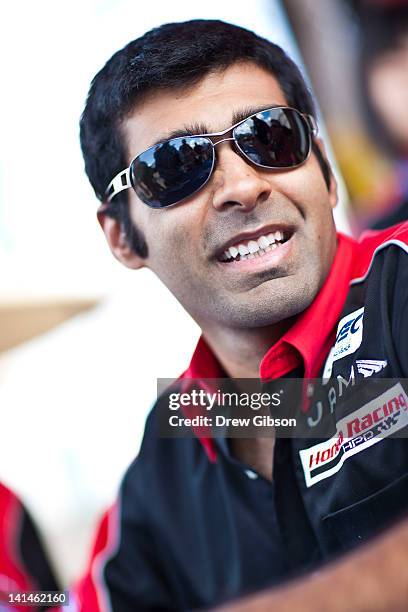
(198, 129)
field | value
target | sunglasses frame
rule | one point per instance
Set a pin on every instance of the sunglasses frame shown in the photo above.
(123, 180)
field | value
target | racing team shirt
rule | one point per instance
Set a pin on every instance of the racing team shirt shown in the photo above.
(194, 527)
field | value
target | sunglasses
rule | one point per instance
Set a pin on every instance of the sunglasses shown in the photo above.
(279, 138)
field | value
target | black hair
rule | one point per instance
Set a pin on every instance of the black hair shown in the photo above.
(170, 57)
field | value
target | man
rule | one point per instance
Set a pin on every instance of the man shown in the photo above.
(242, 233)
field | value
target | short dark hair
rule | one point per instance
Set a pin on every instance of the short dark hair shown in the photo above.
(172, 56)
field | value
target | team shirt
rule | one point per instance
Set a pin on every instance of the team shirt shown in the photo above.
(193, 527)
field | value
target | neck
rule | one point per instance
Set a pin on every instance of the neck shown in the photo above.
(240, 351)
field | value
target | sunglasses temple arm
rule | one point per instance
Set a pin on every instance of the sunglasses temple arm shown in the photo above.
(118, 184)
(314, 128)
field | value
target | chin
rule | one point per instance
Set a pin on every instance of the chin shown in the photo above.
(269, 309)
(265, 315)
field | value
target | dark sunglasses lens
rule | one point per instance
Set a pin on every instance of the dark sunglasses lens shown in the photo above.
(169, 172)
(277, 138)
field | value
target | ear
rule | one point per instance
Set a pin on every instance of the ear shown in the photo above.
(332, 187)
(117, 241)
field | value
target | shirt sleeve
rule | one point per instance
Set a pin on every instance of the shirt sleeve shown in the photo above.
(124, 571)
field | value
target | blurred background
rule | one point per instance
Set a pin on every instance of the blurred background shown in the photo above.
(83, 340)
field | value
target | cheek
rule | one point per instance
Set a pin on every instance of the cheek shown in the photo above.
(310, 195)
(163, 229)
(170, 250)
(307, 190)
(173, 239)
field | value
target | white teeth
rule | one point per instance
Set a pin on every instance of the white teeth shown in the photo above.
(243, 250)
(253, 246)
(263, 242)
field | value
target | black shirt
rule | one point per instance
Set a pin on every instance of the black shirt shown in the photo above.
(193, 527)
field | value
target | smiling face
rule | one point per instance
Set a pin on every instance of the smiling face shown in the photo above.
(279, 222)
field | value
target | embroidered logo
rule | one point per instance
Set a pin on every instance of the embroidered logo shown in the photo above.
(348, 338)
(368, 367)
(376, 420)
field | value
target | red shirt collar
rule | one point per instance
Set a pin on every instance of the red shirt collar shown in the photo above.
(306, 344)
(308, 341)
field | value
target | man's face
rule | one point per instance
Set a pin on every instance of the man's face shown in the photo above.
(239, 203)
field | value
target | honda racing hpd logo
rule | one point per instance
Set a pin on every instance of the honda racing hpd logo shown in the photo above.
(356, 432)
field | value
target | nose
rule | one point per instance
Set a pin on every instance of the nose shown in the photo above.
(237, 182)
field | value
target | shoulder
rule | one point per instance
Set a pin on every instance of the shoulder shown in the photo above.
(375, 243)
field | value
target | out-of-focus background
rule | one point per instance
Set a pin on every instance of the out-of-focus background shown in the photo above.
(83, 340)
